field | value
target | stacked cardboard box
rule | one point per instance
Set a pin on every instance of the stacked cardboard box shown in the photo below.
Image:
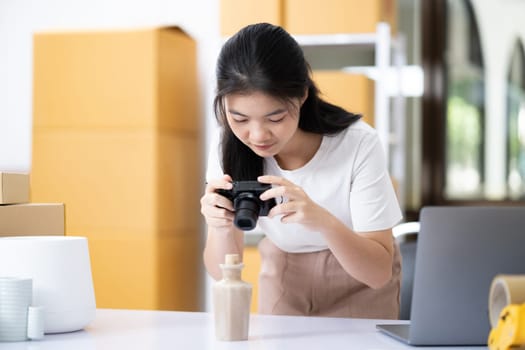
(309, 16)
(19, 217)
(116, 137)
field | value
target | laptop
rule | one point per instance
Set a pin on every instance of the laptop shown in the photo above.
(459, 252)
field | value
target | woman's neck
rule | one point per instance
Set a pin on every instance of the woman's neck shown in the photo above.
(299, 151)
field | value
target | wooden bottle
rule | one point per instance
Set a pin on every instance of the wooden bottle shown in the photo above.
(231, 301)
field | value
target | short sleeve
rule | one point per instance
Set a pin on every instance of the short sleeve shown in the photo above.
(214, 168)
(373, 202)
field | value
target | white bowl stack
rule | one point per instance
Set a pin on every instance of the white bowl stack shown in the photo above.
(15, 299)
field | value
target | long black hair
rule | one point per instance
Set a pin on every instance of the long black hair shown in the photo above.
(265, 58)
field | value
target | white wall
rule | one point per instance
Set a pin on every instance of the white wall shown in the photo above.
(19, 19)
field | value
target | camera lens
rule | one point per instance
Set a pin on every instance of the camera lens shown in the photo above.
(246, 211)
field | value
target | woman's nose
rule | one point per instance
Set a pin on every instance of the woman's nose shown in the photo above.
(259, 133)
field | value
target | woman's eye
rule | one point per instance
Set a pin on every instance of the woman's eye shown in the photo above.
(240, 120)
(277, 119)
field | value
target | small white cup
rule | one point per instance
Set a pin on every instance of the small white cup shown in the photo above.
(19, 321)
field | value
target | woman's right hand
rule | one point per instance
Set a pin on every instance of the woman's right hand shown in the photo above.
(217, 209)
(223, 237)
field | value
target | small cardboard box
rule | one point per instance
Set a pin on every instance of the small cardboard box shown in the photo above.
(353, 92)
(236, 14)
(14, 188)
(338, 16)
(32, 219)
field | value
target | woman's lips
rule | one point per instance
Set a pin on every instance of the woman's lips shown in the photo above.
(263, 147)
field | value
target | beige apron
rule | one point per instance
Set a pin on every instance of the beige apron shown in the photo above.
(315, 284)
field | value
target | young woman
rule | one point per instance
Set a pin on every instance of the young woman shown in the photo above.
(328, 248)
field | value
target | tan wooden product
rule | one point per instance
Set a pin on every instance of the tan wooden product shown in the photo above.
(231, 302)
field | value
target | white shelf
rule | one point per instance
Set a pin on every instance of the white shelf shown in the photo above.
(336, 39)
(406, 80)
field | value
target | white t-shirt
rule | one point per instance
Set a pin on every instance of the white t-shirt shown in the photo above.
(347, 176)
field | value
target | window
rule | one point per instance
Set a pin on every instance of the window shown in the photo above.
(515, 174)
(473, 106)
(464, 128)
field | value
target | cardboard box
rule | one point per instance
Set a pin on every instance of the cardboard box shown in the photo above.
(123, 183)
(338, 16)
(252, 266)
(353, 92)
(14, 188)
(144, 78)
(236, 14)
(32, 219)
(148, 273)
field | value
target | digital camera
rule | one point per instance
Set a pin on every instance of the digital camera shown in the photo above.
(247, 204)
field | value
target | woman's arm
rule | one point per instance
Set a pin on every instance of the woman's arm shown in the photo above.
(366, 256)
(223, 237)
(218, 244)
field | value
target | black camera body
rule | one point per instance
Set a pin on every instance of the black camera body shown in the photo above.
(247, 204)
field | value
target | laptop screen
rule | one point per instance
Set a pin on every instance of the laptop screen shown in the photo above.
(459, 252)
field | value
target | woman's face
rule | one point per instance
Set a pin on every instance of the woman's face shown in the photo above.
(261, 122)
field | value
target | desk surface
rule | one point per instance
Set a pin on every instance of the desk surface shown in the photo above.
(130, 329)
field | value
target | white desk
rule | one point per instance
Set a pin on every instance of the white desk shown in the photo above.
(145, 330)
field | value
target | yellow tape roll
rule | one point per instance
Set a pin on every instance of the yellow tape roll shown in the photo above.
(505, 290)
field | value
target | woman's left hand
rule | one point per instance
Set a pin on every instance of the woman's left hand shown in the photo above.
(297, 208)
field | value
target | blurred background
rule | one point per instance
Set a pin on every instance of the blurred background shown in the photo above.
(108, 106)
